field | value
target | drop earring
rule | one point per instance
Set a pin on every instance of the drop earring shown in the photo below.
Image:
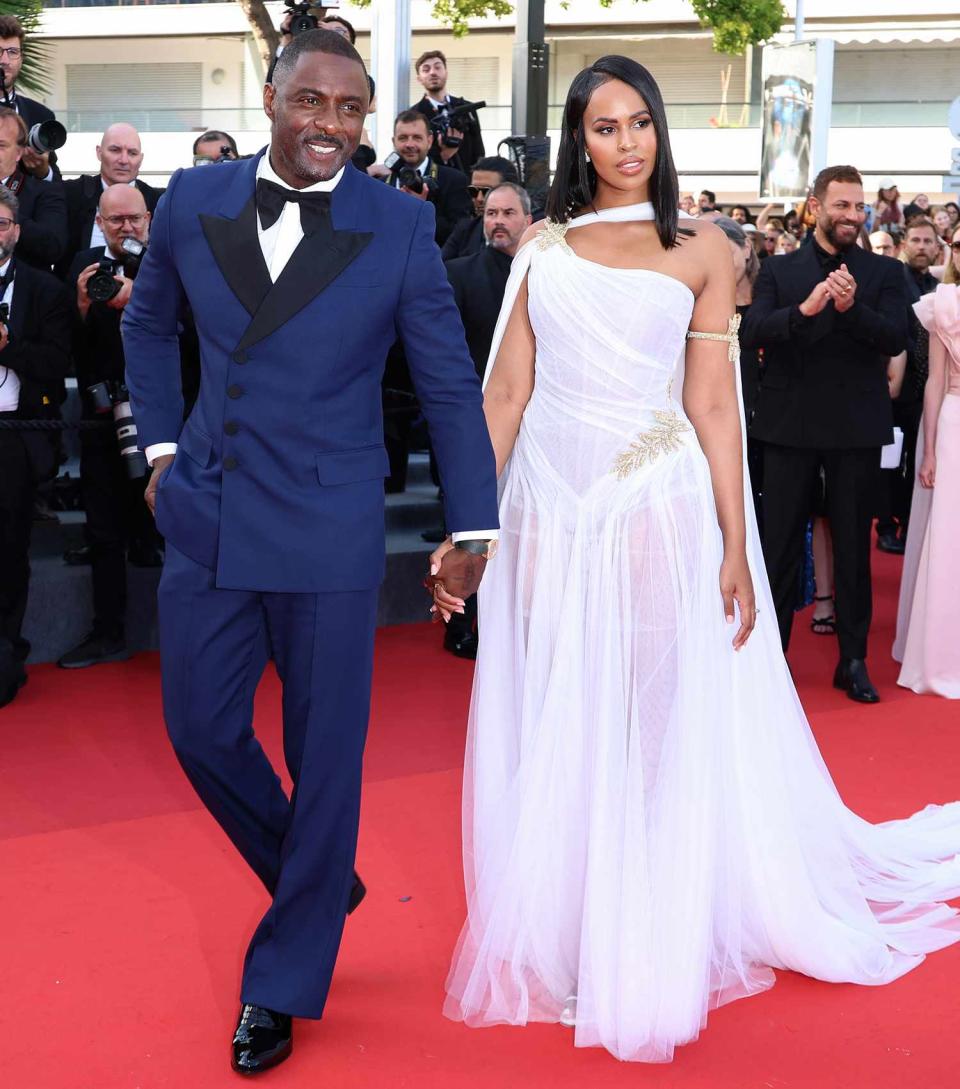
(586, 155)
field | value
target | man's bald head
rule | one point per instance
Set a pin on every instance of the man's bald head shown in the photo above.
(120, 154)
(123, 214)
(882, 243)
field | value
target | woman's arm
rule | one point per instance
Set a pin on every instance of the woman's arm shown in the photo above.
(511, 380)
(710, 402)
(896, 369)
(932, 400)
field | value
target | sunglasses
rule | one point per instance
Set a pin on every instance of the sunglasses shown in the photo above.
(478, 190)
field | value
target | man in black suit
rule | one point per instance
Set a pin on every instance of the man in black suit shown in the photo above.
(467, 236)
(478, 283)
(43, 212)
(117, 516)
(446, 189)
(42, 167)
(121, 156)
(34, 360)
(467, 146)
(828, 318)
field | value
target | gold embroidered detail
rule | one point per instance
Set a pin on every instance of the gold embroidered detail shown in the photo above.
(730, 336)
(552, 234)
(663, 438)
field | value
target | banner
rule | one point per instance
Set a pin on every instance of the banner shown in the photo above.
(797, 101)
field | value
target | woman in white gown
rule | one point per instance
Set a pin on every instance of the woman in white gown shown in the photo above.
(649, 828)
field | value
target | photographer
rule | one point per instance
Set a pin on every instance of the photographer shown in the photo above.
(34, 360)
(461, 145)
(40, 166)
(117, 517)
(467, 237)
(415, 173)
(214, 147)
(121, 156)
(43, 213)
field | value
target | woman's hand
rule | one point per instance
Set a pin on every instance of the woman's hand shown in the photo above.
(928, 470)
(444, 603)
(736, 585)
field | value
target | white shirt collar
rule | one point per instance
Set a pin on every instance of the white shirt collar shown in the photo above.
(439, 102)
(4, 267)
(266, 171)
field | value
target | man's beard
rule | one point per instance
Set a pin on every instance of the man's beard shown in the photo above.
(6, 252)
(830, 233)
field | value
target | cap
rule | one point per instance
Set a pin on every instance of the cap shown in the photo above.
(887, 183)
(731, 228)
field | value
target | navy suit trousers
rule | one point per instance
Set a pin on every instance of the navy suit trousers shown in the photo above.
(215, 644)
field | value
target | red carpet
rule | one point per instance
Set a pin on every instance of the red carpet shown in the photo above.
(126, 912)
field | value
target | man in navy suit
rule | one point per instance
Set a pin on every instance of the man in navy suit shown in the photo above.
(300, 272)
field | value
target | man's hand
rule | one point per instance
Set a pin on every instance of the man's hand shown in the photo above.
(447, 153)
(83, 299)
(816, 300)
(120, 300)
(378, 170)
(454, 576)
(150, 492)
(843, 289)
(36, 164)
(424, 193)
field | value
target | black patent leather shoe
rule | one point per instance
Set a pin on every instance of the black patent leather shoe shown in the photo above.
(357, 893)
(852, 677)
(264, 1038)
(890, 542)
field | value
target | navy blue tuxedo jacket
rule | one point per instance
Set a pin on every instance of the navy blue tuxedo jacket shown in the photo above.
(277, 484)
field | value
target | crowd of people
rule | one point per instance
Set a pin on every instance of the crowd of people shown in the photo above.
(84, 232)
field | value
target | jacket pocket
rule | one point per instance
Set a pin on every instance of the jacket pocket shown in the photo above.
(196, 445)
(353, 466)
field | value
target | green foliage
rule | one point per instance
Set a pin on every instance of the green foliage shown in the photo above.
(456, 14)
(36, 52)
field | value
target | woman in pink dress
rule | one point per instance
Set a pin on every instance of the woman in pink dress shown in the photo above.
(928, 636)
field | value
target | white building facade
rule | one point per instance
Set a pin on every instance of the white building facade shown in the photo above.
(175, 69)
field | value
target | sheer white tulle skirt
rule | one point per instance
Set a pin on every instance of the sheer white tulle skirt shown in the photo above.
(649, 827)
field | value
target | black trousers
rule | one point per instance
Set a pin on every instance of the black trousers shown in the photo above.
(17, 491)
(790, 481)
(116, 518)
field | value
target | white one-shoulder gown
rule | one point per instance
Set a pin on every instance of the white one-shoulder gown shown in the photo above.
(649, 827)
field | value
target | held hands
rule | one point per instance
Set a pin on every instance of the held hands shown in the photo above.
(928, 470)
(736, 585)
(150, 492)
(454, 576)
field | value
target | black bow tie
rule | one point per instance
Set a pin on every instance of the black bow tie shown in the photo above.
(314, 207)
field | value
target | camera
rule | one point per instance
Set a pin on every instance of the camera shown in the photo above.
(301, 18)
(114, 397)
(46, 136)
(103, 284)
(226, 155)
(411, 178)
(452, 119)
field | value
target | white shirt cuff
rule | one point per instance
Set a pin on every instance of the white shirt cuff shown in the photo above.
(476, 535)
(158, 449)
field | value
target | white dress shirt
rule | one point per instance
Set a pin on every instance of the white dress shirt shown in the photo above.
(277, 244)
(9, 382)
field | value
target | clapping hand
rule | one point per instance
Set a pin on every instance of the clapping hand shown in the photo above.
(843, 288)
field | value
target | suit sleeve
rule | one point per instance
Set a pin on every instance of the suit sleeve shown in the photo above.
(150, 329)
(43, 236)
(43, 353)
(770, 321)
(885, 329)
(446, 384)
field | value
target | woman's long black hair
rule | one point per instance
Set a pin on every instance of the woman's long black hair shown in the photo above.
(575, 181)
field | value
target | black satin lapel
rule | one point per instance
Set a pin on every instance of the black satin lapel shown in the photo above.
(314, 264)
(236, 249)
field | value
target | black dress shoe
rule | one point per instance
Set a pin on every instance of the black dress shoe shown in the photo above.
(357, 893)
(463, 644)
(263, 1039)
(94, 650)
(12, 679)
(78, 557)
(890, 542)
(851, 676)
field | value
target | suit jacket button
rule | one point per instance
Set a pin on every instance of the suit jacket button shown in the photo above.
(240, 357)
(234, 392)
(231, 427)
(230, 464)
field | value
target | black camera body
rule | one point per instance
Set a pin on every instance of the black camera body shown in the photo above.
(103, 284)
(408, 177)
(453, 118)
(301, 17)
(114, 398)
